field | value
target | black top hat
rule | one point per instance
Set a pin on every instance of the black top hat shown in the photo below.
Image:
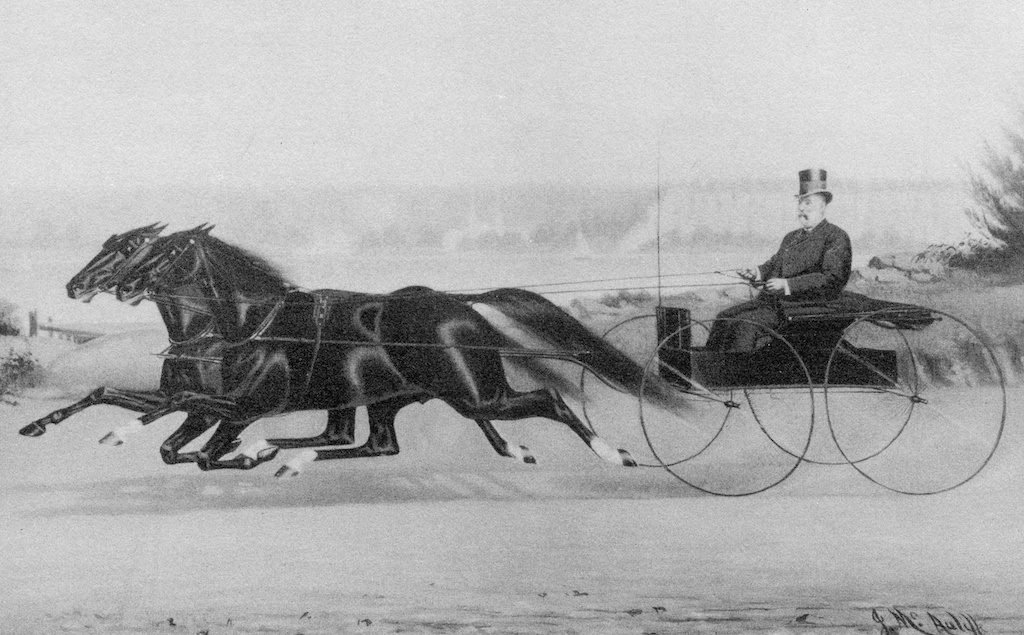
(814, 182)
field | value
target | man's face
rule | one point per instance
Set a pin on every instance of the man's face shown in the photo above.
(810, 210)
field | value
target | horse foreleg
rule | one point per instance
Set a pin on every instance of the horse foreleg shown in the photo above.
(193, 427)
(225, 440)
(177, 402)
(503, 447)
(137, 401)
(340, 430)
(193, 402)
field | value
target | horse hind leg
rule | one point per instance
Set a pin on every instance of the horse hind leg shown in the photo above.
(546, 403)
(340, 430)
(382, 440)
(503, 447)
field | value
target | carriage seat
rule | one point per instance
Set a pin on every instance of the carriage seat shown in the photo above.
(833, 316)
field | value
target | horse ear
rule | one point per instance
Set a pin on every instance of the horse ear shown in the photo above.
(208, 229)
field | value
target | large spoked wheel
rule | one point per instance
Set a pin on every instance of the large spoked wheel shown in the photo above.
(698, 415)
(917, 411)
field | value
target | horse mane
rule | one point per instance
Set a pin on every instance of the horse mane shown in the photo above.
(251, 272)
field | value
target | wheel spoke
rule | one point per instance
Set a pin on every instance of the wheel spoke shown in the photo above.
(735, 448)
(939, 423)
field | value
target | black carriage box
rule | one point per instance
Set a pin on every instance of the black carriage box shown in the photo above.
(808, 348)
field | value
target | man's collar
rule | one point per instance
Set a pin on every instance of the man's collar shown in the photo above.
(821, 223)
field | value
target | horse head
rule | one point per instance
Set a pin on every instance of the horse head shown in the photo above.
(171, 262)
(117, 254)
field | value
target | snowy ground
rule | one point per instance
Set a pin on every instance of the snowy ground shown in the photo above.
(449, 537)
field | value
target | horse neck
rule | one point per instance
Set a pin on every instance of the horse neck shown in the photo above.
(239, 312)
(186, 314)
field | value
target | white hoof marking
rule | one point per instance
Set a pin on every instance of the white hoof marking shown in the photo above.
(298, 462)
(515, 452)
(118, 435)
(605, 451)
(521, 453)
(254, 449)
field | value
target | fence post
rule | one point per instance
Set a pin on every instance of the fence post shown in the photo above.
(33, 323)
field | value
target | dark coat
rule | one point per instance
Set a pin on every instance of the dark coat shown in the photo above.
(816, 263)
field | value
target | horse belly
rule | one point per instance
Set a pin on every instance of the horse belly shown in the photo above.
(351, 376)
(453, 353)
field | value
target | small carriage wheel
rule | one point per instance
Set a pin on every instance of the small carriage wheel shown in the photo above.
(735, 422)
(941, 388)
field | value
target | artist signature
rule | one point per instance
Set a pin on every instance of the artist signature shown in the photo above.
(894, 620)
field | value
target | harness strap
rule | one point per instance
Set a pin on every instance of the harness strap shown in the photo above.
(206, 332)
(321, 307)
(264, 326)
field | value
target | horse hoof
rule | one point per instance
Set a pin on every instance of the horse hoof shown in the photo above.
(33, 430)
(526, 456)
(295, 465)
(267, 454)
(112, 438)
(255, 448)
(627, 460)
(117, 436)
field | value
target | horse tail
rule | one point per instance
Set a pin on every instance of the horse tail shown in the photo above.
(544, 320)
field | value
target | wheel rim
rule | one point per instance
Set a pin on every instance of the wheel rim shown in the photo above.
(739, 442)
(953, 396)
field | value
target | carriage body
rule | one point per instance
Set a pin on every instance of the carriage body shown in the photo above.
(812, 330)
(897, 385)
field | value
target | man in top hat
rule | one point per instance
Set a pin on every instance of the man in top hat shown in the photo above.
(813, 263)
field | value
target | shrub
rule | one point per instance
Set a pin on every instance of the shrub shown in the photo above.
(997, 213)
(8, 323)
(18, 371)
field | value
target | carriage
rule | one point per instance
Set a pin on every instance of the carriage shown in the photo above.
(914, 398)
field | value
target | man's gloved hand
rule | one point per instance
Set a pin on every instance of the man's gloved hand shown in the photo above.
(750, 273)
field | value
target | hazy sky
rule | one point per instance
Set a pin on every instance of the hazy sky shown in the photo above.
(119, 94)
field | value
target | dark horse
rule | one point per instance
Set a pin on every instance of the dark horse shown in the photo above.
(192, 364)
(193, 357)
(288, 349)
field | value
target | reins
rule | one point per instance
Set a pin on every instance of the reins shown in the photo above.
(372, 295)
(206, 269)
